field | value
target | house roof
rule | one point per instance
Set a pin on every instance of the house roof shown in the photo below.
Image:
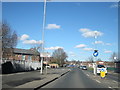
(25, 51)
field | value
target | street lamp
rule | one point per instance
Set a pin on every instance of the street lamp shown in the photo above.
(44, 19)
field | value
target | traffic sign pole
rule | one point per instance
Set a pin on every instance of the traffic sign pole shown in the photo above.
(95, 54)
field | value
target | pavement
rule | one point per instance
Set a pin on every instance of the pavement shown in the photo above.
(33, 81)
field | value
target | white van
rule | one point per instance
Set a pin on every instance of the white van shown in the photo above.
(100, 68)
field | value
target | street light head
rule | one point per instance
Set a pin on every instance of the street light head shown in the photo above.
(95, 34)
(115, 58)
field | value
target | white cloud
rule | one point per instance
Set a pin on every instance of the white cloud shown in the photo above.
(101, 42)
(24, 37)
(83, 30)
(107, 51)
(89, 33)
(108, 44)
(25, 40)
(115, 5)
(80, 46)
(53, 48)
(32, 42)
(88, 49)
(53, 26)
(72, 54)
(98, 42)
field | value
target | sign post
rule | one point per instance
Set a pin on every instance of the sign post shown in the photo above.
(95, 54)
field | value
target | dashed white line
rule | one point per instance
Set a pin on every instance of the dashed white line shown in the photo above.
(87, 74)
(115, 81)
(98, 81)
(109, 87)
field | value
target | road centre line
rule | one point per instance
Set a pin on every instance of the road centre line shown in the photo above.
(98, 81)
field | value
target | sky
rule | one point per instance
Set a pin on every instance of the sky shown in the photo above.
(69, 25)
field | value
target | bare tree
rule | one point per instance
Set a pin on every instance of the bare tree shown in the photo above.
(0, 41)
(91, 59)
(59, 56)
(114, 56)
(99, 59)
(9, 40)
(36, 50)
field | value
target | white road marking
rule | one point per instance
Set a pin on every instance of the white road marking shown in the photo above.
(8, 74)
(19, 73)
(12, 74)
(109, 87)
(87, 74)
(98, 81)
(115, 81)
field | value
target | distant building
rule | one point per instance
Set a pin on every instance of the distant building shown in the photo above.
(100, 62)
(54, 65)
(25, 54)
(22, 60)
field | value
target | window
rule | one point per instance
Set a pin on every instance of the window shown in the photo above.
(23, 57)
(101, 66)
(29, 58)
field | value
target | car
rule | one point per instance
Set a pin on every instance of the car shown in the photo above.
(84, 67)
(100, 68)
(80, 67)
(47, 66)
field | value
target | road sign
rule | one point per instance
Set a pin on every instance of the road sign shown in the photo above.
(95, 54)
(45, 54)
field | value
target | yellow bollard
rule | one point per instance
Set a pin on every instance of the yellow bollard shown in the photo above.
(102, 74)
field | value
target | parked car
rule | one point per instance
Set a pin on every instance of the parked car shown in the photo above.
(47, 66)
(100, 68)
(80, 67)
(84, 67)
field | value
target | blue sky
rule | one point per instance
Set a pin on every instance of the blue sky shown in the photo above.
(69, 25)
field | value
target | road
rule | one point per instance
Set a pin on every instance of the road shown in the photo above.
(113, 77)
(75, 79)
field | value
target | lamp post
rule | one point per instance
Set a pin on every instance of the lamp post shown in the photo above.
(44, 21)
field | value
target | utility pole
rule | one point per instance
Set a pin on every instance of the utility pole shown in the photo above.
(44, 21)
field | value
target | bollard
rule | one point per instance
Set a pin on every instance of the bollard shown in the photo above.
(102, 74)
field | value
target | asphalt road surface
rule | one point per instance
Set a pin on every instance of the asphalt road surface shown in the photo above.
(75, 79)
(113, 77)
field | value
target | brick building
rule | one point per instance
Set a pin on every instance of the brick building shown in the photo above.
(25, 54)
